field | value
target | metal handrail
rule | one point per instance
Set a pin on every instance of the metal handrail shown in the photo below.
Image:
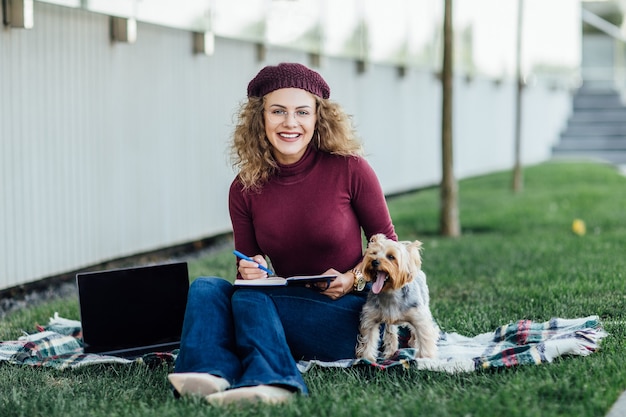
(602, 25)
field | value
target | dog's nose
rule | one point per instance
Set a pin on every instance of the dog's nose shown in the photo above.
(375, 263)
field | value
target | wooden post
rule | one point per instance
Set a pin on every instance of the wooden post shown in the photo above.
(449, 216)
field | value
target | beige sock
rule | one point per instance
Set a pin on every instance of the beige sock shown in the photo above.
(266, 394)
(197, 383)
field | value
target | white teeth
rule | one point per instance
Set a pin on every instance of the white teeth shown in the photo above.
(291, 136)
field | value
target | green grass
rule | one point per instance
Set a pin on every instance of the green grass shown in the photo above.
(517, 259)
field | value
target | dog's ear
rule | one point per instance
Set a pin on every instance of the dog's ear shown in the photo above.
(377, 237)
(415, 249)
(416, 244)
(406, 265)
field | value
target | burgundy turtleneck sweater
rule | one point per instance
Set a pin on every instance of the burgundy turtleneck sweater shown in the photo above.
(309, 217)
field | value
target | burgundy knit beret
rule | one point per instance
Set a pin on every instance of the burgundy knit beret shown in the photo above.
(288, 75)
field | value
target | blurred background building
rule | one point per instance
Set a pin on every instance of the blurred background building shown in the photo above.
(115, 115)
(597, 125)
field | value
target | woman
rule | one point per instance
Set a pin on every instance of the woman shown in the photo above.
(302, 198)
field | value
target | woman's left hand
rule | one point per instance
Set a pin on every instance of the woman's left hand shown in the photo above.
(340, 286)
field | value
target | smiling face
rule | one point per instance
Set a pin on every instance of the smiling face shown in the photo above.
(290, 120)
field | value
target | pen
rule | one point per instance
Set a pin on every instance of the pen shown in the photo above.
(247, 258)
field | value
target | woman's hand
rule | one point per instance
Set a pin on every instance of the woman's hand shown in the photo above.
(251, 270)
(340, 286)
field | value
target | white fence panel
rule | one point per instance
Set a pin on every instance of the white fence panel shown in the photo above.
(111, 149)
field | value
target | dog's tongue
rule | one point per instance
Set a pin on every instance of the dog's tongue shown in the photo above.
(377, 286)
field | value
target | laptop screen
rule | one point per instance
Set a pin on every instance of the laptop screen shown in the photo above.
(133, 307)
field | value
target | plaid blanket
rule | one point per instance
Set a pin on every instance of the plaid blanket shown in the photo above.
(522, 343)
(58, 345)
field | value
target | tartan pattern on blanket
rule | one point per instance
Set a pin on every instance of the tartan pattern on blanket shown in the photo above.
(38, 348)
(522, 343)
(58, 345)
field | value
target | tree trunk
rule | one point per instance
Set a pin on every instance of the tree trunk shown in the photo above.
(449, 216)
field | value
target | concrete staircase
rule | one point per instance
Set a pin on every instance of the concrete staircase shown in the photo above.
(596, 129)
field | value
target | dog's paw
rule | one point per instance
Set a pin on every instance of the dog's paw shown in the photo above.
(361, 355)
(389, 353)
(428, 352)
(366, 351)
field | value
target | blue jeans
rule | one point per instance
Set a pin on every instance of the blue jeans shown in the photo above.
(253, 336)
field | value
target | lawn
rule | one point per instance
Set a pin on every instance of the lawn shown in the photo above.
(518, 258)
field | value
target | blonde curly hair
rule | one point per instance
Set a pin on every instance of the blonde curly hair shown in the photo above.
(251, 152)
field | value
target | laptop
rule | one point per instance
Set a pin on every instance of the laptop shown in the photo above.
(133, 311)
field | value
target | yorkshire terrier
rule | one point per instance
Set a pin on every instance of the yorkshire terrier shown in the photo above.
(399, 296)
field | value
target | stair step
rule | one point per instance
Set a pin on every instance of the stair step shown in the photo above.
(601, 129)
(592, 143)
(599, 116)
(597, 102)
(584, 89)
(599, 91)
(598, 85)
(574, 122)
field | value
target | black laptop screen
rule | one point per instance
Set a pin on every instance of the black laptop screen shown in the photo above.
(133, 307)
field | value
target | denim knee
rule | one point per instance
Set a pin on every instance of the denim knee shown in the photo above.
(206, 286)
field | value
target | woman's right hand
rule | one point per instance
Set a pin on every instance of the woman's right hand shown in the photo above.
(251, 270)
(340, 286)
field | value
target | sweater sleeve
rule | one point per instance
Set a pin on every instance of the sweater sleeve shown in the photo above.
(368, 201)
(242, 221)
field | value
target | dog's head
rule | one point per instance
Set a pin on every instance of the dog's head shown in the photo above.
(390, 265)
